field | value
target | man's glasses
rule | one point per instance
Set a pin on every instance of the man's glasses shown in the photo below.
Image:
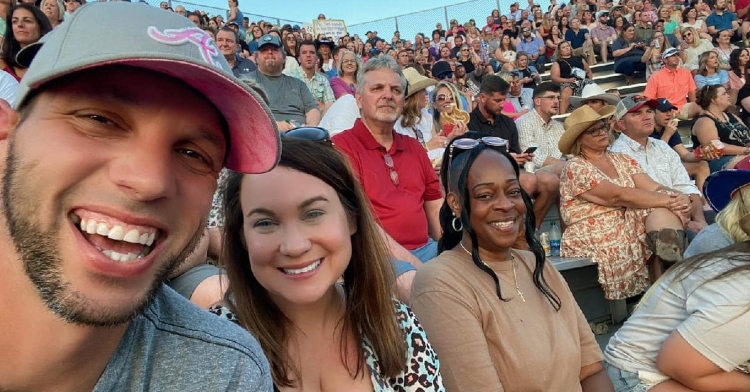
(466, 143)
(391, 169)
(443, 98)
(552, 97)
(445, 75)
(315, 134)
(349, 62)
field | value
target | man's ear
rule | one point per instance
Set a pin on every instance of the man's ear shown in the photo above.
(8, 119)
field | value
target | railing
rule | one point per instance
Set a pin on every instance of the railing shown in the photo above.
(213, 11)
(424, 21)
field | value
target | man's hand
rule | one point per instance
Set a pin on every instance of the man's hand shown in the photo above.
(284, 126)
(521, 159)
(696, 226)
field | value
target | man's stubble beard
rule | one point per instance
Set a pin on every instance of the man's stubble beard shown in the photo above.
(39, 251)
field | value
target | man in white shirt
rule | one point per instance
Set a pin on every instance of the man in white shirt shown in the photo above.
(538, 129)
(635, 119)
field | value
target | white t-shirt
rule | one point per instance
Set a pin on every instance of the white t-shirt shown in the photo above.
(341, 115)
(711, 315)
(8, 87)
(424, 125)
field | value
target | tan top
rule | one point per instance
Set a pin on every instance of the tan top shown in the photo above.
(485, 344)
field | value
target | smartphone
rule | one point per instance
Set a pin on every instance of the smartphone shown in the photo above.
(530, 150)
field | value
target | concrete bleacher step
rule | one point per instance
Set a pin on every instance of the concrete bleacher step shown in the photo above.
(597, 70)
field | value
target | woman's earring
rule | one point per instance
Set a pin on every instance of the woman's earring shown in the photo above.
(456, 223)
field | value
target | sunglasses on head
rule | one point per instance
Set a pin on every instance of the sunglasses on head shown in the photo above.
(466, 143)
(315, 134)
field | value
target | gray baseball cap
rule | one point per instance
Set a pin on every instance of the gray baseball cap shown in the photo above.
(138, 35)
(632, 103)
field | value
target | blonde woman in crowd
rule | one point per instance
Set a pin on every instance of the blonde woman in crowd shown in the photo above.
(444, 96)
(694, 46)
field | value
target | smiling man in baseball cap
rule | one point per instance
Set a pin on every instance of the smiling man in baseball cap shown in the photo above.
(123, 121)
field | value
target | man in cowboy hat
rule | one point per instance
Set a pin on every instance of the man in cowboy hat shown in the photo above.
(595, 97)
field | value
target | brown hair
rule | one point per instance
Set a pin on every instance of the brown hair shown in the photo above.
(369, 313)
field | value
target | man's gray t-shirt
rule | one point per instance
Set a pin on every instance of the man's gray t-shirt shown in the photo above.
(289, 97)
(175, 346)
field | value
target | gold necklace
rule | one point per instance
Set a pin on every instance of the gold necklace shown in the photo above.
(513, 262)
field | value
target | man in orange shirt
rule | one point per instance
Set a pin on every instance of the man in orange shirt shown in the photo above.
(676, 84)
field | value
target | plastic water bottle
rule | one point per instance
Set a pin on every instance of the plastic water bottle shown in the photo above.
(554, 239)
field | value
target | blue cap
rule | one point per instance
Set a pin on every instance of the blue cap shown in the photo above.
(269, 39)
(722, 185)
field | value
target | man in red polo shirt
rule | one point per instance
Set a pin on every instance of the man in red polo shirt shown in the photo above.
(394, 170)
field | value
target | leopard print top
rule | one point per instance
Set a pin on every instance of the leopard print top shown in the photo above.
(422, 372)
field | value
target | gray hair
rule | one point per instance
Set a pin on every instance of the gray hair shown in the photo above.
(376, 63)
(60, 9)
(340, 65)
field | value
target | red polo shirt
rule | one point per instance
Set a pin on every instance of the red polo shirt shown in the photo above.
(399, 209)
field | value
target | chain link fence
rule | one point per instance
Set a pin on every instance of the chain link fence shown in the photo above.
(424, 21)
(213, 11)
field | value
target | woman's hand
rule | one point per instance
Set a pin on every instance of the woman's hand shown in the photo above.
(437, 141)
(458, 130)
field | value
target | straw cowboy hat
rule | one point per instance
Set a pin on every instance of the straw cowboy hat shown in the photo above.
(591, 92)
(578, 121)
(416, 82)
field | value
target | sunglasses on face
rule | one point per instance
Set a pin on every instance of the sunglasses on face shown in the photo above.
(443, 98)
(445, 75)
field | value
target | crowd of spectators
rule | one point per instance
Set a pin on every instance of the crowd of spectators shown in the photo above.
(394, 201)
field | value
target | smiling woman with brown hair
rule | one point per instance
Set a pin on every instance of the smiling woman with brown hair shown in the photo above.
(290, 235)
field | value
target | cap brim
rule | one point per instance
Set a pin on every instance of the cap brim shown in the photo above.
(27, 54)
(609, 98)
(571, 134)
(721, 185)
(255, 143)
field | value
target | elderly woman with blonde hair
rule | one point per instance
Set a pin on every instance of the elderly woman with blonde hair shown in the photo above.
(614, 212)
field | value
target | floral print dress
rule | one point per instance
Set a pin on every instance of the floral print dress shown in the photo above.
(613, 237)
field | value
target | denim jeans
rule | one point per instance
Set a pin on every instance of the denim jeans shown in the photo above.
(423, 253)
(624, 381)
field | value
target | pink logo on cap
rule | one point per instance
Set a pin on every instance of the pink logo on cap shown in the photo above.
(192, 35)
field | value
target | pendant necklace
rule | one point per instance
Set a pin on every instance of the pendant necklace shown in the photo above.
(513, 262)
